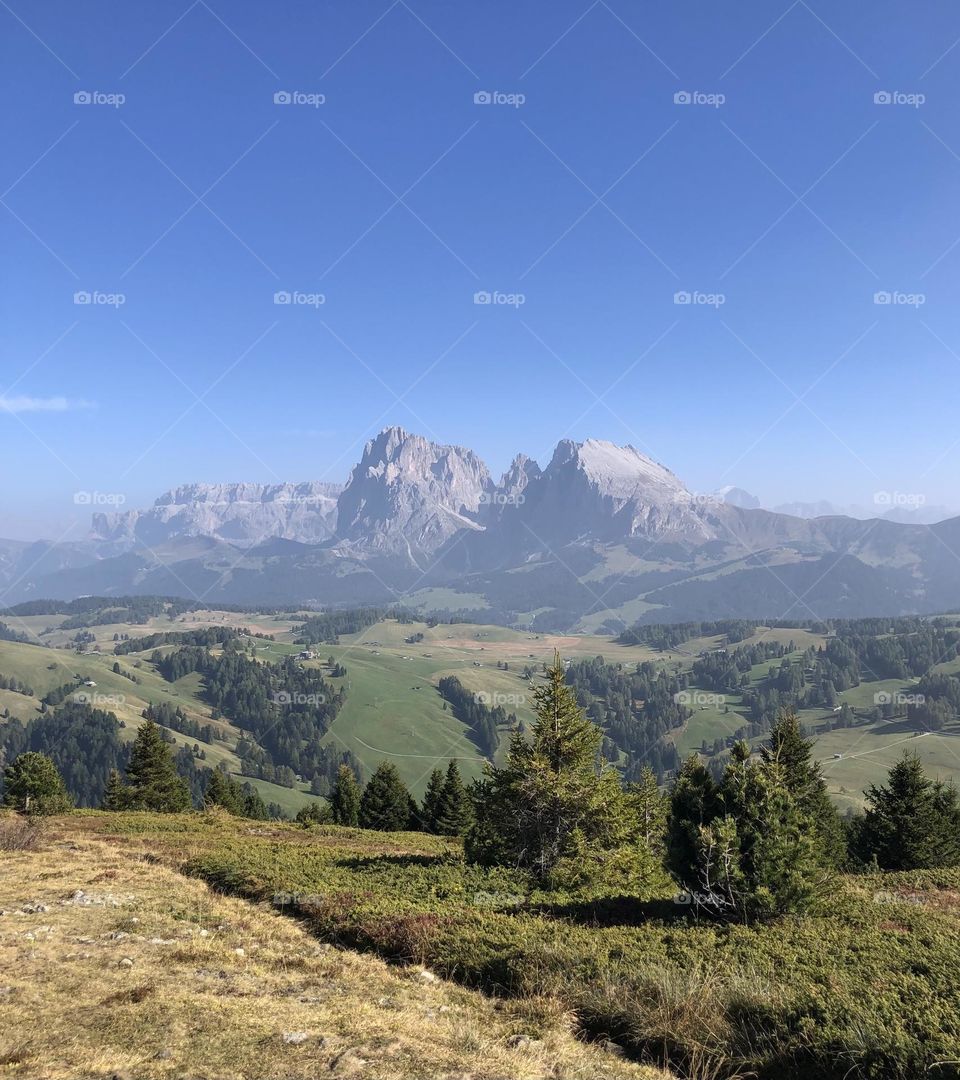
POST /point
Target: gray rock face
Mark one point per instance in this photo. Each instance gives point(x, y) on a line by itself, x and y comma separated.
point(409, 496)
point(598, 490)
point(244, 514)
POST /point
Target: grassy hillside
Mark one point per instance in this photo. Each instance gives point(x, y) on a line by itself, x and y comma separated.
point(116, 966)
point(865, 988)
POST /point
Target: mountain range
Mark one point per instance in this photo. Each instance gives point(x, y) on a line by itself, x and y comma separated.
point(600, 538)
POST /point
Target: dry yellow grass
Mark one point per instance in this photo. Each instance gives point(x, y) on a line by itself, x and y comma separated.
point(112, 965)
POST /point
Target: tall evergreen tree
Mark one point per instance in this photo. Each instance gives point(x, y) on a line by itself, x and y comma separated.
point(152, 776)
point(804, 780)
point(651, 807)
point(912, 822)
point(32, 785)
point(385, 803)
point(555, 807)
point(454, 810)
point(345, 798)
point(694, 803)
point(222, 791)
point(116, 795)
point(430, 810)
point(758, 858)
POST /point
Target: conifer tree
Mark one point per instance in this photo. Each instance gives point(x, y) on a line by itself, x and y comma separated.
point(32, 785)
point(253, 805)
point(454, 810)
point(694, 803)
point(386, 802)
point(912, 822)
point(116, 795)
point(804, 780)
point(757, 857)
point(345, 798)
point(224, 792)
point(152, 775)
point(651, 807)
point(555, 808)
point(430, 810)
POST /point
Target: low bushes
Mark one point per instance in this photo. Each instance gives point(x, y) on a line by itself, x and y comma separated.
point(867, 989)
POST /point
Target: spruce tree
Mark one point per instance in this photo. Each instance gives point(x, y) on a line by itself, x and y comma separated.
point(804, 780)
point(911, 822)
point(758, 857)
point(345, 798)
point(694, 803)
point(253, 805)
point(651, 807)
point(385, 803)
point(224, 792)
point(152, 775)
point(116, 795)
point(32, 785)
point(454, 811)
point(430, 811)
point(555, 808)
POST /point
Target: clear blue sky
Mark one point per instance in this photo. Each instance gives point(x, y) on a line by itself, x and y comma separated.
point(797, 199)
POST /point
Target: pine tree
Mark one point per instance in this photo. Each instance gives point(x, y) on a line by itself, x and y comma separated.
point(32, 785)
point(116, 796)
point(555, 808)
point(794, 754)
point(224, 792)
point(454, 810)
point(694, 803)
point(316, 813)
point(345, 798)
point(912, 822)
point(154, 782)
point(253, 805)
point(759, 856)
point(430, 811)
point(651, 807)
point(385, 803)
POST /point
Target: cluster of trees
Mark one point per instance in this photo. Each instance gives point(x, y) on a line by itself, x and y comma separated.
point(284, 709)
point(483, 720)
point(635, 709)
point(668, 636)
point(11, 682)
point(176, 719)
point(205, 637)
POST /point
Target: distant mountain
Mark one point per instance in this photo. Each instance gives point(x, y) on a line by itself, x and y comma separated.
point(736, 496)
point(600, 537)
point(407, 496)
point(241, 513)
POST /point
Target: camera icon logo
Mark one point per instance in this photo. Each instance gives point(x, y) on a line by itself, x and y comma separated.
point(682, 97)
point(482, 97)
point(282, 97)
point(82, 97)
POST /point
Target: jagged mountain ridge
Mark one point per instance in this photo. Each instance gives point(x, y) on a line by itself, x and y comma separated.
point(601, 535)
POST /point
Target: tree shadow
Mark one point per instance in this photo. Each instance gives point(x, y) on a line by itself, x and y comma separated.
point(613, 911)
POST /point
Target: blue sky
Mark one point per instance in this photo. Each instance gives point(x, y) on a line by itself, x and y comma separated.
point(783, 189)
